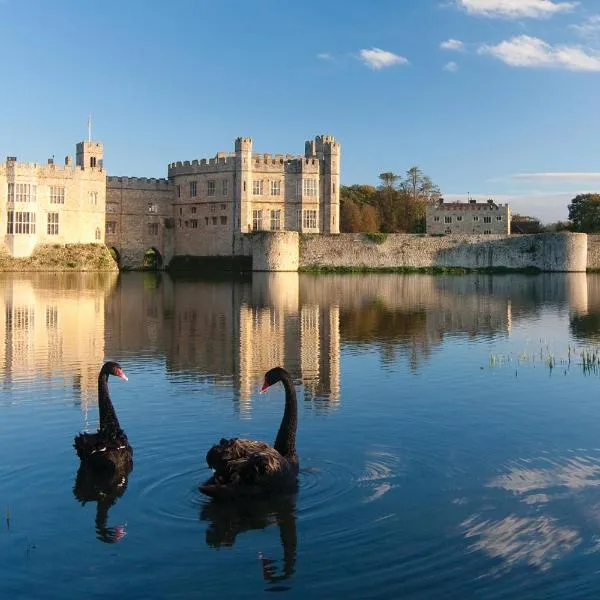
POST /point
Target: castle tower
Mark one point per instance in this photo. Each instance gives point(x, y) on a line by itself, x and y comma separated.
point(243, 183)
point(89, 155)
point(327, 150)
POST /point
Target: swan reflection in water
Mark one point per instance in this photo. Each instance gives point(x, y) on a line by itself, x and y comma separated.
point(227, 520)
point(104, 488)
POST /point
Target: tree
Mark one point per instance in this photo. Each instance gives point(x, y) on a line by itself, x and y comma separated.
point(584, 213)
point(419, 187)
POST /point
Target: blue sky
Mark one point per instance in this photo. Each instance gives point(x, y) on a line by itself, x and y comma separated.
point(497, 98)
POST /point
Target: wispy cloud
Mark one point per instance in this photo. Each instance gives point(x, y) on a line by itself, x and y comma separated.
point(590, 28)
point(556, 177)
point(452, 44)
point(325, 56)
point(526, 51)
point(377, 59)
point(451, 67)
point(515, 9)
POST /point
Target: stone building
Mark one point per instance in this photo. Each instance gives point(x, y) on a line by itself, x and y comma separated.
point(204, 206)
point(468, 217)
point(52, 204)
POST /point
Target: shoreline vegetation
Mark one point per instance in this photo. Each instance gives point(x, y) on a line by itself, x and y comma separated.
point(68, 257)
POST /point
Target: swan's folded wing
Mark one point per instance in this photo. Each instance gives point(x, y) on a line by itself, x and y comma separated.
point(234, 449)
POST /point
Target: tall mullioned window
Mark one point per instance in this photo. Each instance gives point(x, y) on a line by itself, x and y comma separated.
point(257, 220)
point(275, 220)
point(20, 222)
point(111, 227)
point(52, 228)
point(309, 219)
point(21, 192)
point(275, 188)
point(309, 187)
point(93, 198)
point(225, 187)
point(193, 189)
point(57, 194)
point(257, 187)
point(211, 187)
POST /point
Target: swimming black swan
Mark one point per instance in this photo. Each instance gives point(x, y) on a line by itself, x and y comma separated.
point(108, 449)
point(105, 488)
point(246, 468)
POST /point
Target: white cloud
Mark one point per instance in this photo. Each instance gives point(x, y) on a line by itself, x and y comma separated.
point(515, 9)
point(378, 59)
point(451, 67)
point(452, 44)
point(553, 177)
point(325, 56)
point(526, 51)
point(590, 28)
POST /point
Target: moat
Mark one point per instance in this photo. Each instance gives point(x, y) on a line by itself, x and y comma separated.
point(448, 434)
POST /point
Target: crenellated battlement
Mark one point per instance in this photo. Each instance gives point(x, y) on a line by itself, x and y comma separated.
point(139, 183)
point(41, 170)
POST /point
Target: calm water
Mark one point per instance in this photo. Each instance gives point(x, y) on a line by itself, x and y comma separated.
point(449, 436)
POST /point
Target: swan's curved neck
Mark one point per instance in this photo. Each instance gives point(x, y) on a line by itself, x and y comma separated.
point(285, 443)
point(108, 416)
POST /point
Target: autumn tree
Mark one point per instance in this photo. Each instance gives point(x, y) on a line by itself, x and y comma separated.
point(584, 213)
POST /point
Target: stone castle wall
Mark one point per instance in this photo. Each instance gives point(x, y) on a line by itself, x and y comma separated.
point(546, 252)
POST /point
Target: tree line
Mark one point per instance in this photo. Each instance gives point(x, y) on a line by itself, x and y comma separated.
point(397, 205)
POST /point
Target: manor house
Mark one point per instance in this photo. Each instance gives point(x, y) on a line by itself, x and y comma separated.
point(200, 209)
point(468, 217)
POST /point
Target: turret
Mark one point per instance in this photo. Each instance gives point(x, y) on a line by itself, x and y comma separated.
point(243, 184)
point(89, 155)
point(328, 152)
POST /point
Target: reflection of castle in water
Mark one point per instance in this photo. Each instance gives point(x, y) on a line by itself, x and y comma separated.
point(52, 325)
point(230, 332)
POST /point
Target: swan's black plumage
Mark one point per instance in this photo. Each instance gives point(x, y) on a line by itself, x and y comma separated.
point(108, 449)
point(247, 468)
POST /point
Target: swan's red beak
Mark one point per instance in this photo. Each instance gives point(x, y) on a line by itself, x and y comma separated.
point(264, 387)
point(119, 373)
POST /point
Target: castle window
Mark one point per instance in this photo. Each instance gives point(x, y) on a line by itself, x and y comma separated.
point(206, 220)
point(214, 220)
point(111, 208)
point(475, 219)
point(57, 194)
point(194, 223)
point(20, 222)
point(275, 220)
point(487, 219)
point(499, 218)
point(487, 231)
point(224, 220)
point(226, 187)
point(152, 228)
point(178, 191)
point(447, 219)
point(257, 187)
point(111, 227)
point(309, 187)
point(92, 161)
point(211, 187)
point(193, 189)
point(333, 188)
point(275, 188)
point(23, 192)
point(223, 206)
point(152, 208)
point(181, 210)
point(257, 220)
point(436, 219)
point(459, 218)
point(213, 208)
point(194, 210)
point(98, 234)
point(244, 186)
point(93, 198)
point(11, 192)
point(309, 219)
point(52, 223)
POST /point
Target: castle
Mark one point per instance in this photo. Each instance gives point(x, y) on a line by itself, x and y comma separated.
point(201, 209)
point(468, 217)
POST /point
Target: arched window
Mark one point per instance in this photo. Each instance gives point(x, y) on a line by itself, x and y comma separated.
point(98, 233)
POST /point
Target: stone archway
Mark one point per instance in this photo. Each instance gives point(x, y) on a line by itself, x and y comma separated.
point(153, 260)
point(115, 254)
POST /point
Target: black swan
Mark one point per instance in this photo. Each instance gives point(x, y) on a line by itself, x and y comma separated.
point(226, 520)
point(104, 488)
point(246, 468)
point(108, 449)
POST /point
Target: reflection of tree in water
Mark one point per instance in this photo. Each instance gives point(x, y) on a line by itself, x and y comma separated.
point(227, 520)
point(392, 331)
point(585, 327)
point(104, 489)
